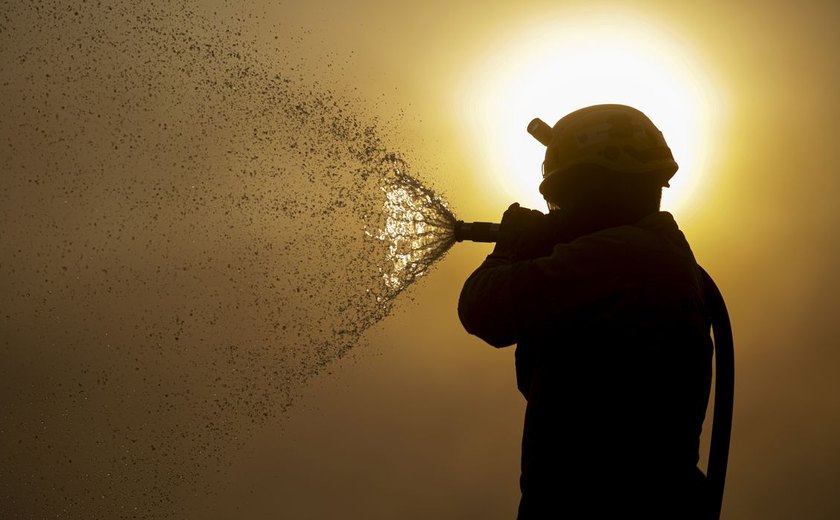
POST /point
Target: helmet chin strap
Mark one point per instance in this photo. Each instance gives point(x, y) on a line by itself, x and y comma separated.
point(543, 133)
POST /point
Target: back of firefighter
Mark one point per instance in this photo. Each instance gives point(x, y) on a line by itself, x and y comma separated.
point(604, 300)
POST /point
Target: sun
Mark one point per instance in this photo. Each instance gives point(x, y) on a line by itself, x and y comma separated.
point(557, 66)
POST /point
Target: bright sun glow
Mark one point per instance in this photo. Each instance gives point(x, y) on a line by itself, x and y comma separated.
point(558, 66)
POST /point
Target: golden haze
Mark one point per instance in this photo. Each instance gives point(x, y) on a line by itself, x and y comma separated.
point(422, 421)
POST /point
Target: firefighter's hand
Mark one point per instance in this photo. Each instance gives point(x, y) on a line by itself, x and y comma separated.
point(522, 234)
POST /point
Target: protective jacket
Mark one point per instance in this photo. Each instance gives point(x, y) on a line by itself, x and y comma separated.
point(614, 358)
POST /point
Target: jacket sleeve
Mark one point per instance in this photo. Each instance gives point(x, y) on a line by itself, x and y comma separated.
point(488, 306)
point(505, 301)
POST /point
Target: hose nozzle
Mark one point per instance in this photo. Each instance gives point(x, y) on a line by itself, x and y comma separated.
point(476, 231)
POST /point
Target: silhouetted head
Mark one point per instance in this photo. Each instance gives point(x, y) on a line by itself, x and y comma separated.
point(604, 160)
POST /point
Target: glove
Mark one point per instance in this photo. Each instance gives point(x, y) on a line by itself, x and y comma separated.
point(523, 234)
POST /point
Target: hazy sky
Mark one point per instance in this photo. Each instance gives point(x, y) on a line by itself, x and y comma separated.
point(420, 420)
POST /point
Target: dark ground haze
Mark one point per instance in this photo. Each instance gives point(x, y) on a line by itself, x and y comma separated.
point(188, 236)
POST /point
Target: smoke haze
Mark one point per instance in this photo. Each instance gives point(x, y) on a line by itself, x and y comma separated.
point(168, 185)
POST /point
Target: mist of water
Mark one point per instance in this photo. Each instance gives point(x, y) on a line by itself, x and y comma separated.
point(190, 233)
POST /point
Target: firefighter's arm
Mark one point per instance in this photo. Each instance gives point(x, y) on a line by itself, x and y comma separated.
point(505, 300)
point(492, 305)
point(488, 303)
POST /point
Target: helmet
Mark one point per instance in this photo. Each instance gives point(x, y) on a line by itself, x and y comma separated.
point(615, 138)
